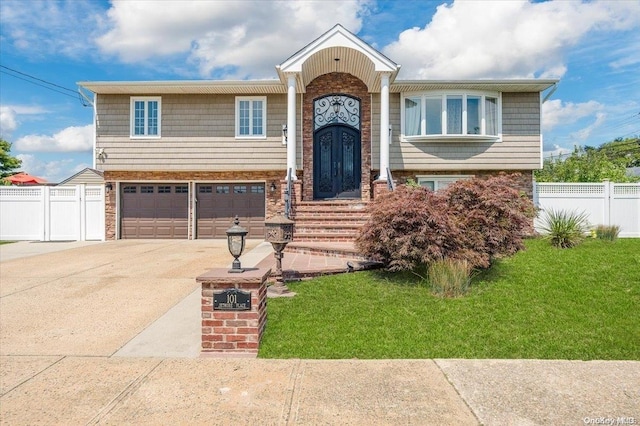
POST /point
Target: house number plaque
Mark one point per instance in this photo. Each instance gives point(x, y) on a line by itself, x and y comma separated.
point(232, 300)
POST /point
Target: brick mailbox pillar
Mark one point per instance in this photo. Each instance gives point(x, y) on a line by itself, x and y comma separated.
point(234, 311)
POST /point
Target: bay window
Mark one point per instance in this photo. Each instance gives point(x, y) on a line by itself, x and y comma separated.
point(451, 115)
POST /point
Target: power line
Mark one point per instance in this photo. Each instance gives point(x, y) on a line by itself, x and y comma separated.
point(38, 79)
point(41, 85)
point(38, 82)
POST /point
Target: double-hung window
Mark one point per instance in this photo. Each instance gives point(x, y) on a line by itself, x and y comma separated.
point(145, 117)
point(451, 115)
point(251, 117)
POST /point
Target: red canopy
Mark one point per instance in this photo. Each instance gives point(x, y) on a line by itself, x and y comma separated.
point(24, 179)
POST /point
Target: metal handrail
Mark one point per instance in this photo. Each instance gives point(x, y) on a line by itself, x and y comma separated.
point(390, 184)
point(287, 195)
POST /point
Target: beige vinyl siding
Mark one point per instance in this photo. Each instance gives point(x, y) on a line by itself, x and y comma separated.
point(86, 177)
point(518, 150)
point(197, 133)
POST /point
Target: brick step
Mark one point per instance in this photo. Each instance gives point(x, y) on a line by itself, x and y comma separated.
point(331, 220)
point(341, 250)
point(325, 237)
point(331, 214)
point(330, 206)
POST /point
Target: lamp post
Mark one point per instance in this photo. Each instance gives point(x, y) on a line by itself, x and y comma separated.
point(279, 232)
point(235, 240)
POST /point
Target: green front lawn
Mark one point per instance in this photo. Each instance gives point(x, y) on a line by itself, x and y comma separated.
point(547, 303)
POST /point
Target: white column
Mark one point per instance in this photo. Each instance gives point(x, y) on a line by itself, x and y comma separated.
point(291, 126)
point(384, 125)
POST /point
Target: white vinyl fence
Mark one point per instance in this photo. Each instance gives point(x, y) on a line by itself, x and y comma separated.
point(605, 203)
point(52, 213)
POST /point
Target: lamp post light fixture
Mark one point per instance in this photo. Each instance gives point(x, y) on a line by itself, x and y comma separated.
point(235, 239)
point(279, 232)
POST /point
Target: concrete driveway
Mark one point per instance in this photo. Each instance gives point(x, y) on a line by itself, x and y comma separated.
point(91, 300)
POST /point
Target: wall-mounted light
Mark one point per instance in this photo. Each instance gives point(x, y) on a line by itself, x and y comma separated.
point(101, 154)
point(108, 187)
point(284, 134)
point(273, 186)
point(390, 133)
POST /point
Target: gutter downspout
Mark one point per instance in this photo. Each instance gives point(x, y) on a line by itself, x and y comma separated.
point(551, 92)
point(545, 99)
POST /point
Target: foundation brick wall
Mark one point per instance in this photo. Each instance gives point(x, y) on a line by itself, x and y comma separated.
point(524, 182)
point(233, 332)
point(347, 84)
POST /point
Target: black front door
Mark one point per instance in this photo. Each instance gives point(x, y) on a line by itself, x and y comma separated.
point(336, 162)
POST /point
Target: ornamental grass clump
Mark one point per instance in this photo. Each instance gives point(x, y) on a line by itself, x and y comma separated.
point(564, 229)
point(449, 277)
point(607, 233)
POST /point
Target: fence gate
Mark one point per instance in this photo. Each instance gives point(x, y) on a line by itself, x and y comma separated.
point(44, 213)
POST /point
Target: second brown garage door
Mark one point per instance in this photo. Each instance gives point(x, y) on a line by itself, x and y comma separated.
point(154, 210)
point(218, 204)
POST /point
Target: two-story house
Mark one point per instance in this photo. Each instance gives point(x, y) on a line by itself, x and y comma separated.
point(182, 158)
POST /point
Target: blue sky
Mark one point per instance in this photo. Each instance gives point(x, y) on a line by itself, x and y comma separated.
point(592, 47)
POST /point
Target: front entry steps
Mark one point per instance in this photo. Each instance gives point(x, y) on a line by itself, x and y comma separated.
point(323, 240)
point(336, 221)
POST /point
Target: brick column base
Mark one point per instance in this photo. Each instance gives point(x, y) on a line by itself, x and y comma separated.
point(233, 332)
point(379, 188)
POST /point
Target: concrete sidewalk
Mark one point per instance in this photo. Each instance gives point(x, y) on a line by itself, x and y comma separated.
point(106, 334)
point(102, 390)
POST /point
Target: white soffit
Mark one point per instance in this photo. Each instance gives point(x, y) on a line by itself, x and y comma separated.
point(356, 57)
point(211, 87)
point(520, 85)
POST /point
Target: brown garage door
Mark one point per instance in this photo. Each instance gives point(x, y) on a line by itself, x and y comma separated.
point(154, 210)
point(218, 204)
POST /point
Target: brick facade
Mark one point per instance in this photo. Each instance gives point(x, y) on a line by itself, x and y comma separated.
point(524, 182)
point(346, 84)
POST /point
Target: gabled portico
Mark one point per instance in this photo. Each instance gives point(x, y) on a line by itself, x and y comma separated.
point(336, 75)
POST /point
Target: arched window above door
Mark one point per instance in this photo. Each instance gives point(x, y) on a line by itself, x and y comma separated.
point(336, 109)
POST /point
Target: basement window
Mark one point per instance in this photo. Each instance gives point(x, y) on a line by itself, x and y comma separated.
point(438, 182)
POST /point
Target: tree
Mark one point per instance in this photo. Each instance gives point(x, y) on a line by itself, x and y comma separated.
point(588, 165)
point(473, 220)
point(623, 151)
point(7, 162)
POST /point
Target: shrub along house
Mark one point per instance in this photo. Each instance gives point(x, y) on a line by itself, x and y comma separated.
point(182, 158)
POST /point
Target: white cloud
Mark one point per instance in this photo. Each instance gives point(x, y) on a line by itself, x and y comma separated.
point(42, 27)
point(504, 39)
point(51, 171)
point(226, 39)
point(584, 134)
point(8, 120)
point(556, 113)
point(9, 116)
point(71, 139)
